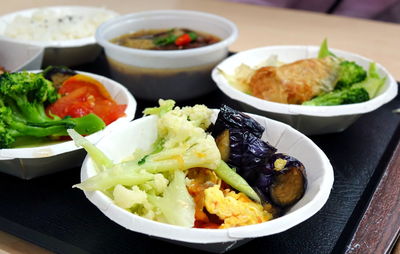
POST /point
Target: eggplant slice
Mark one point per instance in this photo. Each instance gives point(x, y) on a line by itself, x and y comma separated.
point(229, 118)
point(58, 74)
point(289, 181)
point(279, 179)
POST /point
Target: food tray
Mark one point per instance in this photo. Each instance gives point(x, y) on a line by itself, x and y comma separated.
point(48, 212)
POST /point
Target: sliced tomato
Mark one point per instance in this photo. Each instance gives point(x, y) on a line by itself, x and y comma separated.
point(96, 88)
point(81, 95)
point(108, 110)
point(62, 106)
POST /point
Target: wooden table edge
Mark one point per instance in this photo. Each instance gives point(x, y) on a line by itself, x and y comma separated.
point(379, 227)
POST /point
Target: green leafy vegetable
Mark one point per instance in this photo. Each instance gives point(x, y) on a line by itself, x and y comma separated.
point(373, 83)
point(356, 93)
point(349, 72)
point(165, 40)
point(235, 180)
point(324, 50)
point(339, 97)
point(23, 97)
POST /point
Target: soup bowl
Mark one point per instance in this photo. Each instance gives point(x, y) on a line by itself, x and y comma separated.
point(174, 74)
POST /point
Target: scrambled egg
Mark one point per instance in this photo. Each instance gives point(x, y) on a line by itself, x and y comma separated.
point(235, 209)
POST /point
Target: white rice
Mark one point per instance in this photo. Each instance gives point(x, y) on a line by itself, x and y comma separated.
point(49, 24)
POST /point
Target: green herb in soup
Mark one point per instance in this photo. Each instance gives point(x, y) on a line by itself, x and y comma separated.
point(166, 39)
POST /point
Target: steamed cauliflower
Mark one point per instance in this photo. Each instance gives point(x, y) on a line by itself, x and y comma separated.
point(134, 200)
point(185, 142)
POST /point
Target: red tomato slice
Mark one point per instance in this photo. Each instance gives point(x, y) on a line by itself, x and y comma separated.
point(81, 95)
point(81, 80)
point(62, 106)
point(108, 111)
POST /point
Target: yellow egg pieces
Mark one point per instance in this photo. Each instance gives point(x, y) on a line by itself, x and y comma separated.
point(235, 209)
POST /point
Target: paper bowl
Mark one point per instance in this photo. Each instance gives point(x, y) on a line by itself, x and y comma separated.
point(19, 56)
point(32, 162)
point(309, 120)
point(172, 74)
point(68, 52)
point(142, 133)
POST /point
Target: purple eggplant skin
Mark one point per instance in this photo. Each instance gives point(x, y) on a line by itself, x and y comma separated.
point(244, 151)
point(238, 138)
point(229, 118)
point(279, 179)
point(253, 155)
point(289, 180)
point(58, 74)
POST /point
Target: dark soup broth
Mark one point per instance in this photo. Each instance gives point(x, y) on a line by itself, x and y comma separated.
point(166, 39)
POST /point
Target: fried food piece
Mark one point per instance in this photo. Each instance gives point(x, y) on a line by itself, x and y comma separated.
point(296, 82)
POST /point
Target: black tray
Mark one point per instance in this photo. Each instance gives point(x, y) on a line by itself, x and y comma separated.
point(48, 212)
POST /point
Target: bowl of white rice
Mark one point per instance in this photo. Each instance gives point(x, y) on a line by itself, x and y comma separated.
point(65, 32)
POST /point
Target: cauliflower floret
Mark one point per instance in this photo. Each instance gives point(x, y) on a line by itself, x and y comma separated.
point(155, 186)
point(199, 115)
point(235, 209)
point(136, 200)
point(126, 198)
point(188, 145)
point(185, 144)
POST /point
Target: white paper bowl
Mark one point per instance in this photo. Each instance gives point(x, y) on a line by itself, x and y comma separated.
point(32, 162)
point(66, 52)
point(309, 120)
point(172, 74)
point(142, 133)
point(15, 56)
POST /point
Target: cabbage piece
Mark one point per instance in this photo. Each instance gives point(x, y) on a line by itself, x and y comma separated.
point(176, 205)
point(100, 159)
point(114, 176)
point(240, 79)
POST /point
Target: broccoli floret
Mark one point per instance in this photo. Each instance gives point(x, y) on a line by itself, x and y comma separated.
point(338, 97)
point(23, 97)
point(27, 93)
point(11, 127)
point(349, 73)
point(356, 93)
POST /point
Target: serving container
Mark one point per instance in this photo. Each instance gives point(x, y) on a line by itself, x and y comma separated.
point(173, 74)
point(70, 52)
point(142, 133)
point(31, 162)
point(310, 120)
point(15, 56)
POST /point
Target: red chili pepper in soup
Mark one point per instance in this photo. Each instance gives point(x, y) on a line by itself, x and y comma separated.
point(185, 39)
